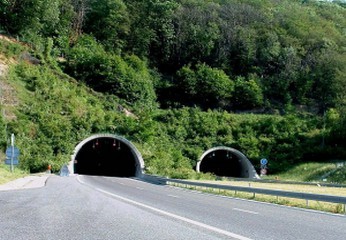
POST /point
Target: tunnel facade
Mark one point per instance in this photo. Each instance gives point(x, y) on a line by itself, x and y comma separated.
point(227, 162)
point(107, 155)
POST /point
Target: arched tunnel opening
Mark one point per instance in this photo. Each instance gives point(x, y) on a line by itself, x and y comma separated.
point(226, 162)
point(107, 155)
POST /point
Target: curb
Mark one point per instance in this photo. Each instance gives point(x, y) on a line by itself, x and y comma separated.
point(32, 181)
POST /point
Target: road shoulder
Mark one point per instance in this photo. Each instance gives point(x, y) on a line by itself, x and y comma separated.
point(32, 181)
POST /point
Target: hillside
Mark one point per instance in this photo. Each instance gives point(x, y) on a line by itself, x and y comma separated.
point(170, 76)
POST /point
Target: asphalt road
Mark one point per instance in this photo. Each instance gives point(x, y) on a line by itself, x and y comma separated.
point(86, 207)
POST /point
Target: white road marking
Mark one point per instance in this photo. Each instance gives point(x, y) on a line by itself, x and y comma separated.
point(80, 180)
point(199, 224)
point(245, 211)
point(140, 188)
point(173, 196)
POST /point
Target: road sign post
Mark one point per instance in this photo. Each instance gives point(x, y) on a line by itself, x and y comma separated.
point(264, 167)
point(264, 161)
point(12, 154)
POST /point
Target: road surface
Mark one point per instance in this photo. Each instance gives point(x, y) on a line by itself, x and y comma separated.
point(88, 207)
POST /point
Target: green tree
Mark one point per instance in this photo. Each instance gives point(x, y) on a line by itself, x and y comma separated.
point(205, 86)
point(128, 78)
point(247, 93)
point(108, 21)
point(32, 18)
point(196, 33)
point(151, 28)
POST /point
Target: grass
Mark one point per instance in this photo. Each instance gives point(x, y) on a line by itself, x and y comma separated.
point(339, 175)
point(293, 202)
point(307, 172)
point(316, 189)
point(6, 175)
point(312, 172)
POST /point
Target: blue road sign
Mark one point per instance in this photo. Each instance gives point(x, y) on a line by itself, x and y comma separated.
point(15, 161)
point(64, 172)
point(264, 161)
point(9, 152)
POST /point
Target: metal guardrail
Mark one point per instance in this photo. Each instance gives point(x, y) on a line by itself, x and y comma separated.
point(277, 193)
point(322, 184)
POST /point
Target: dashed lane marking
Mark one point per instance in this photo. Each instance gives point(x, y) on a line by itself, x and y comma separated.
point(173, 196)
point(245, 211)
point(172, 215)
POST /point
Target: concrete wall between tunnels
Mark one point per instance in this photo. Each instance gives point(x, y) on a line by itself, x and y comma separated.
point(106, 155)
point(227, 162)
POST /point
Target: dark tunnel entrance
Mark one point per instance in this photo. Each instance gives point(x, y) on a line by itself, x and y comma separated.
point(226, 162)
point(222, 163)
point(107, 155)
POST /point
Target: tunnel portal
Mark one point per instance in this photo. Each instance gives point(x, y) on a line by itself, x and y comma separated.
point(107, 155)
point(227, 162)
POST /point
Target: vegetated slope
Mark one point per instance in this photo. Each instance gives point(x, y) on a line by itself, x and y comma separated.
point(55, 112)
point(278, 57)
point(231, 54)
point(338, 176)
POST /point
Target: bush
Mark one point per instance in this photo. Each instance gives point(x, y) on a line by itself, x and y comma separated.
point(55, 115)
point(205, 86)
point(10, 49)
point(128, 78)
point(247, 94)
point(3, 137)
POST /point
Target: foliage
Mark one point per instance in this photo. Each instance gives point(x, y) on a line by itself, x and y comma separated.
point(128, 77)
point(3, 134)
point(52, 119)
point(248, 93)
point(205, 86)
point(282, 140)
point(6, 175)
point(47, 18)
point(313, 172)
point(215, 57)
point(296, 49)
point(339, 176)
point(114, 15)
point(9, 49)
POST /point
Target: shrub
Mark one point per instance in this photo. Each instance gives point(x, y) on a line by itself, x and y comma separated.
point(205, 86)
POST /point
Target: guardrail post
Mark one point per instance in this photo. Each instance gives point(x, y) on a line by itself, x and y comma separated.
point(341, 200)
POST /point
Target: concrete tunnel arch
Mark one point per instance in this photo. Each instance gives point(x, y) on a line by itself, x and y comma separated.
point(106, 155)
point(227, 162)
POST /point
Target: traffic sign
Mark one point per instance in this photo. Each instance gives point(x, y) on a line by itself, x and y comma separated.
point(14, 161)
point(264, 161)
point(12, 152)
point(64, 172)
point(263, 172)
